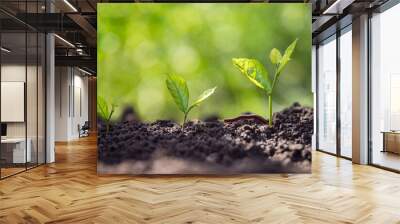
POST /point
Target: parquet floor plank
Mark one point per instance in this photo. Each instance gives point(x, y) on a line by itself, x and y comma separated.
point(70, 191)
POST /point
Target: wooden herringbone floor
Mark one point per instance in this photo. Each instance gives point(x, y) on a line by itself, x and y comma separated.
point(69, 191)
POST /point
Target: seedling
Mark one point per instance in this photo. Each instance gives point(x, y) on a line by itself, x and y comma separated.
point(259, 76)
point(180, 93)
point(105, 112)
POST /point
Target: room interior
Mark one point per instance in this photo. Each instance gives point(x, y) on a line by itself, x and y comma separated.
point(48, 92)
point(385, 88)
point(335, 90)
point(22, 102)
point(72, 106)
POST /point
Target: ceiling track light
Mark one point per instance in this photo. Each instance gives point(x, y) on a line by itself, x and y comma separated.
point(64, 40)
point(334, 8)
point(84, 71)
point(5, 50)
point(70, 5)
point(329, 9)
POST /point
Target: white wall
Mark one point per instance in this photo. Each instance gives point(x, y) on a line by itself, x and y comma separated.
point(33, 127)
point(12, 73)
point(80, 110)
point(71, 102)
point(62, 81)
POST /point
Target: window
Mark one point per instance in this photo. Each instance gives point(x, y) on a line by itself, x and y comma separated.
point(327, 95)
point(346, 92)
point(385, 89)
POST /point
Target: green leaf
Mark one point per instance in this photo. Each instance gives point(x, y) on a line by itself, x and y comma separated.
point(207, 93)
point(286, 57)
point(102, 107)
point(179, 91)
point(254, 71)
point(275, 56)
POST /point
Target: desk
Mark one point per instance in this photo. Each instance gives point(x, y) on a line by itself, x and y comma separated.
point(15, 148)
point(391, 141)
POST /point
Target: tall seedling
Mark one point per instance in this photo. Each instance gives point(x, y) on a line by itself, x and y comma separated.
point(180, 93)
point(105, 112)
point(259, 76)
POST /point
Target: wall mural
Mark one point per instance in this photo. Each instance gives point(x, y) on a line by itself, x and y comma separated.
point(204, 88)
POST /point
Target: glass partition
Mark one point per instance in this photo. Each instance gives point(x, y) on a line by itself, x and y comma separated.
point(327, 95)
point(23, 91)
point(14, 145)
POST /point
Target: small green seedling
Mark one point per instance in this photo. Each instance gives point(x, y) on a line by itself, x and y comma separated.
point(259, 76)
point(105, 112)
point(180, 93)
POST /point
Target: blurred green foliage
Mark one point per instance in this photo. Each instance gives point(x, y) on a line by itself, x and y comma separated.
point(138, 44)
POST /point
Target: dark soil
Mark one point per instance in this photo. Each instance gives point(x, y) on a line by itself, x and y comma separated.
point(241, 145)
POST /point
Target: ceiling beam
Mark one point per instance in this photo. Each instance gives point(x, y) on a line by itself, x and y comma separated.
point(320, 22)
point(49, 22)
point(81, 61)
point(86, 27)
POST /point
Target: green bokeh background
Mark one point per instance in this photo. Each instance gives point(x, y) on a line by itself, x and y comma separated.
point(138, 44)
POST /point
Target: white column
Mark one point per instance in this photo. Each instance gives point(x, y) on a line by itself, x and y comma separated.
point(50, 92)
point(314, 91)
point(50, 99)
point(360, 90)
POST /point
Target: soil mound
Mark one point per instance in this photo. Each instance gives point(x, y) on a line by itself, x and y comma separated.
point(243, 145)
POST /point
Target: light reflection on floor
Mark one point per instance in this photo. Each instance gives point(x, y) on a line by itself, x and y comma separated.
point(386, 159)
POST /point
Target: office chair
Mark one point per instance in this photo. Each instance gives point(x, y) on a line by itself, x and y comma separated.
point(84, 130)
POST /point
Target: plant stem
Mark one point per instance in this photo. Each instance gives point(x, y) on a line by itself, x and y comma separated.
point(270, 94)
point(270, 109)
point(184, 120)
